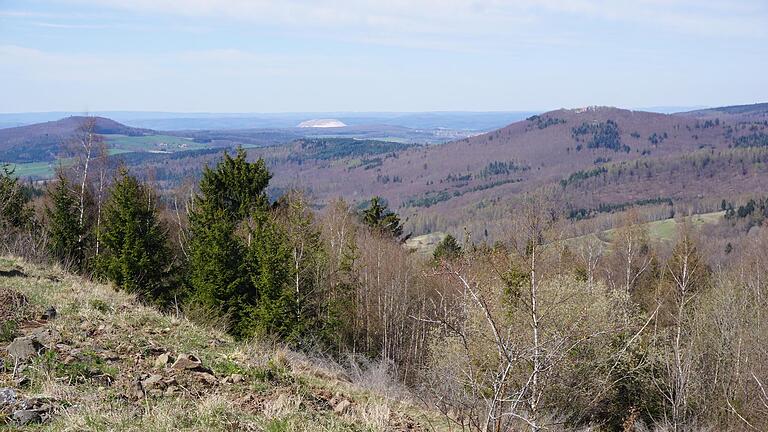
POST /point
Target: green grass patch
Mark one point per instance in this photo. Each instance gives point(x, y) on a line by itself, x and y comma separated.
point(658, 231)
point(152, 143)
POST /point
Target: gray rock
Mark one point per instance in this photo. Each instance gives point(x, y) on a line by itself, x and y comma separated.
point(24, 348)
point(136, 391)
point(7, 396)
point(26, 417)
point(49, 314)
point(46, 336)
point(206, 378)
point(237, 378)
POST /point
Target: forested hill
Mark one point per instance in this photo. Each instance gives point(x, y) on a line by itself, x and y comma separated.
point(758, 111)
point(598, 156)
point(45, 141)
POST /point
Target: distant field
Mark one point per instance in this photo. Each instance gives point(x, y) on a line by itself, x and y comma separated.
point(425, 244)
point(34, 169)
point(46, 169)
point(659, 231)
point(118, 144)
point(152, 143)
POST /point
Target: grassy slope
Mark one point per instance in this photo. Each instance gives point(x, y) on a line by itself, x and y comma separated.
point(659, 231)
point(425, 244)
point(282, 390)
point(47, 169)
point(151, 142)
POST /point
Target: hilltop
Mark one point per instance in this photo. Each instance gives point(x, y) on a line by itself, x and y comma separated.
point(99, 360)
point(45, 141)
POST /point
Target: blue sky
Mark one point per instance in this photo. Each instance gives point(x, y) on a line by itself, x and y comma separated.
point(379, 55)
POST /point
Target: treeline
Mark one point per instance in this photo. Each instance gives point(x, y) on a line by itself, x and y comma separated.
point(337, 148)
point(226, 254)
point(586, 213)
point(752, 213)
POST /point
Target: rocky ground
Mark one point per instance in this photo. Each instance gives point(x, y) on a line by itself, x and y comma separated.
point(80, 356)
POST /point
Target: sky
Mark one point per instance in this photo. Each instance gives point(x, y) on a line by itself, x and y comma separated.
point(379, 55)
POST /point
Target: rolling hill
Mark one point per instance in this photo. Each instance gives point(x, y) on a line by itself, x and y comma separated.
point(45, 141)
point(597, 159)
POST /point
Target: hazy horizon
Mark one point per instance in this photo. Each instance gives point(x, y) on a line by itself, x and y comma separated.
point(658, 109)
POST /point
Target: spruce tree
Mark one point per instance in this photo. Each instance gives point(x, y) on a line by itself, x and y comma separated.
point(14, 212)
point(66, 235)
point(219, 276)
point(136, 255)
point(236, 186)
point(381, 219)
point(447, 249)
point(272, 307)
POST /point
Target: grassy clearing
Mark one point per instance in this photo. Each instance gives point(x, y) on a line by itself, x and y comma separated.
point(152, 142)
point(425, 244)
point(47, 169)
point(663, 231)
point(104, 342)
point(35, 169)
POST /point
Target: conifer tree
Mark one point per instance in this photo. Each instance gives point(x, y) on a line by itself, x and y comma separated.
point(380, 218)
point(272, 306)
point(13, 202)
point(64, 230)
point(136, 255)
point(218, 272)
point(447, 249)
point(236, 186)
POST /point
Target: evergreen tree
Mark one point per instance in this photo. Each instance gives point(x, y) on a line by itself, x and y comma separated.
point(136, 255)
point(217, 273)
point(219, 276)
point(66, 236)
point(380, 218)
point(272, 307)
point(14, 212)
point(236, 186)
point(447, 249)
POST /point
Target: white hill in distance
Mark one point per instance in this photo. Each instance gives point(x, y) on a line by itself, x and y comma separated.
point(322, 123)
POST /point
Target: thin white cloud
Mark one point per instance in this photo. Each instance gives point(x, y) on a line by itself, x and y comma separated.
point(70, 26)
point(718, 17)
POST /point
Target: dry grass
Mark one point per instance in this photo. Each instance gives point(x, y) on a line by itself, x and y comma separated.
point(117, 340)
